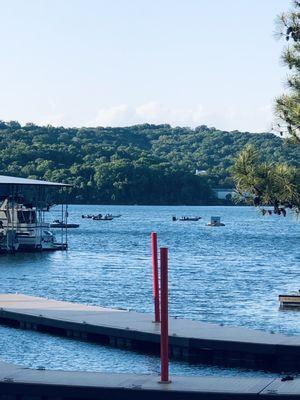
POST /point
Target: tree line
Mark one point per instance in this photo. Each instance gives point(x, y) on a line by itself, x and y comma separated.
point(140, 164)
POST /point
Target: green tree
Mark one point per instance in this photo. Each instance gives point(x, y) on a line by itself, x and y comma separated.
point(288, 105)
point(270, 184)
point(277, 184)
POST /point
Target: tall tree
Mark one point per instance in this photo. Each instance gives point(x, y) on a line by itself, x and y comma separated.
point(288, 105)
point(271, 184)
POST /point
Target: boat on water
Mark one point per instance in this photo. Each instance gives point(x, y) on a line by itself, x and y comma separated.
point(189, 218)
point(23, 207)
point(101, 217)
point(215, 221)
point(21, 229)
point(32, 239)
point(290, 301)
point(60, 224)
point(185, 218)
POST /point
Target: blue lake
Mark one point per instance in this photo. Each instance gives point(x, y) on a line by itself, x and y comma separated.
point(230, 275)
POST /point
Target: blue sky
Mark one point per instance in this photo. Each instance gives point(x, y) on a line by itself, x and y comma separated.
point(121, 62)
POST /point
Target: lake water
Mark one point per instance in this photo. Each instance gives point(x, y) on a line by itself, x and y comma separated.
point(230, 275)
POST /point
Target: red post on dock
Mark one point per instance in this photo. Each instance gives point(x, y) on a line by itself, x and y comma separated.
point(155, 276)
point(164, 329)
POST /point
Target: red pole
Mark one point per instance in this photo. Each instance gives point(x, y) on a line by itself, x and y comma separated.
point(155, 276)
point(164, 330)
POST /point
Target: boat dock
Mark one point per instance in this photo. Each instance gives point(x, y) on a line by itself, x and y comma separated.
point(289, 301)
point(188, 340)
point(18, 383)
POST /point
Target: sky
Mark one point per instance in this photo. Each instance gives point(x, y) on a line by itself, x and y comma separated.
point(124, 62)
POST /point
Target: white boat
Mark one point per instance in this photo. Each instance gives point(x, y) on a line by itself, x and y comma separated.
point(23, 207)
point(36, 239)
point(22, 229)
point(215, 221)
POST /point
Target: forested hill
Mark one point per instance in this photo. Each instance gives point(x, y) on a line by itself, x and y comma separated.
point(141, 164)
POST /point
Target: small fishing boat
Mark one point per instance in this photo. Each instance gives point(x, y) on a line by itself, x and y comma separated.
point(101, 217)
point(189, 218)
point(215, 221)
point(60, 224)
point(186, 218)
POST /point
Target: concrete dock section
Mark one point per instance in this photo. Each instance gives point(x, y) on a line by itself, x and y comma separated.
point(190, 340)
point(17, 383)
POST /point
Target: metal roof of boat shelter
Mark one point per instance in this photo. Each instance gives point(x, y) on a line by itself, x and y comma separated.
point(12, 180)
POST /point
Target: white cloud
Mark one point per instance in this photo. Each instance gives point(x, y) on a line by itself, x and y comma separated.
point(115, 116)
point(54, 119)
point(230, 118)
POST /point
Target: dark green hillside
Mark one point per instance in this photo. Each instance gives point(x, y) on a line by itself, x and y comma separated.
point(143, 164)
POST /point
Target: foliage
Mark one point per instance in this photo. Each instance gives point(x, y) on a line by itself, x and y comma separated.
point(270, 183)
point(267, 184)
point(141, 164)
point(288, 105)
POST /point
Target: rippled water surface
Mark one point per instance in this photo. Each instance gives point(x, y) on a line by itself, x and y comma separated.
point(229, 275)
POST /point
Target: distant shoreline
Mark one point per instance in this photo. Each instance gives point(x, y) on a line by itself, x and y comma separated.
point(159, 205)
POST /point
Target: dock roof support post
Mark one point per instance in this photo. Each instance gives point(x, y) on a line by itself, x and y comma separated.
point(155, 277)
point(164, 329)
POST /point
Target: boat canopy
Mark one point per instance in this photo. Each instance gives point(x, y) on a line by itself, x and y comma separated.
point(12, 180)
point(41, 194)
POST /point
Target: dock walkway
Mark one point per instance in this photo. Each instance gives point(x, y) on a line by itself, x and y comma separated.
point(190, 340)
point(18, 383)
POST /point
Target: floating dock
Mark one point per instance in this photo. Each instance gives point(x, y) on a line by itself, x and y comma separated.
point(289, 301)
point(188, 340)
point(17, 383)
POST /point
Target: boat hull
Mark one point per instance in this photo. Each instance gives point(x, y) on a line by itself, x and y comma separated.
point(63, 226)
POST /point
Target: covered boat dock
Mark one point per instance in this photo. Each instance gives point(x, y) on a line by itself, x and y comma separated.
point(24, 203)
